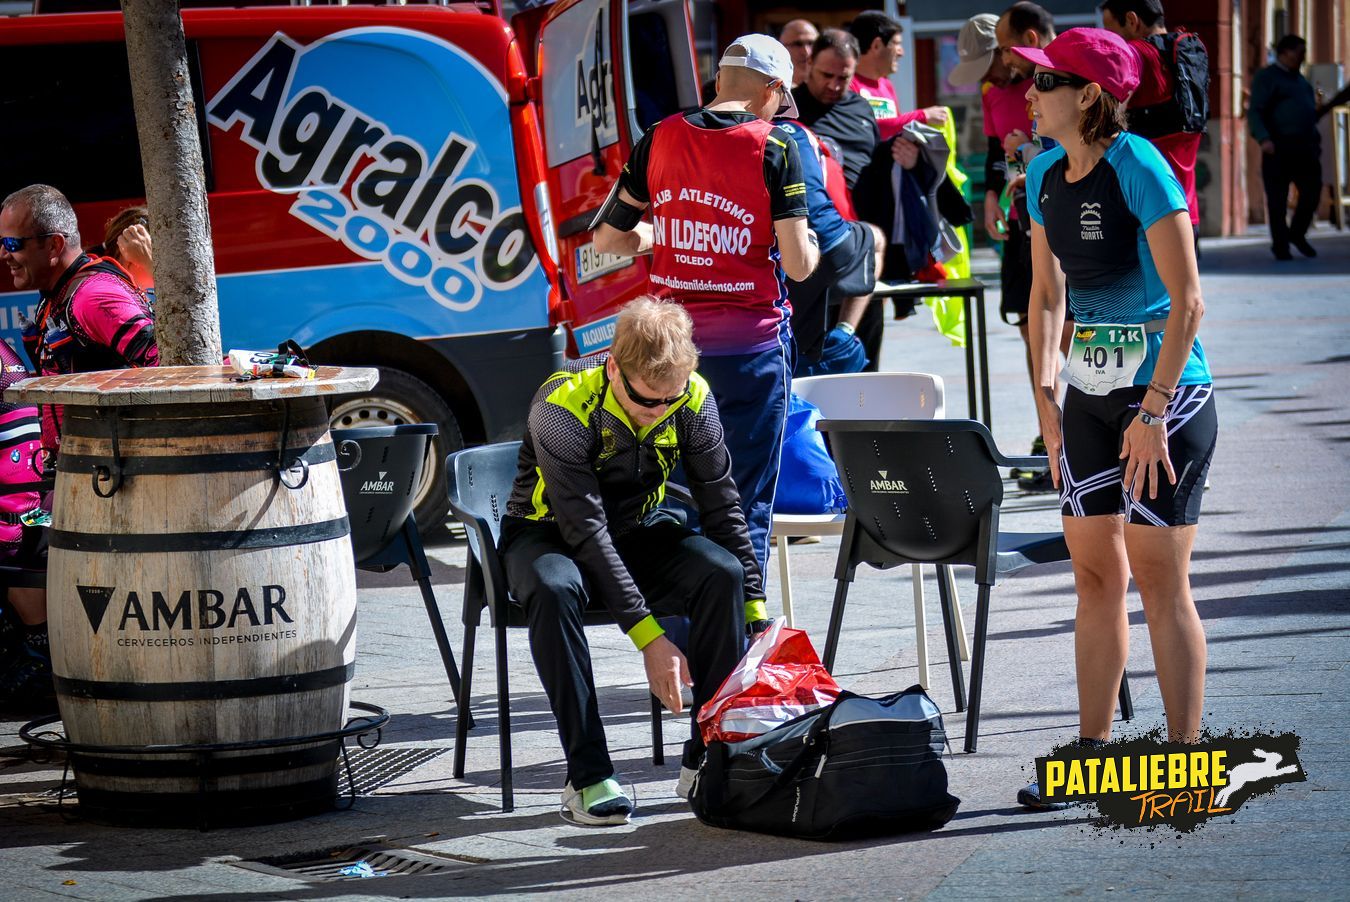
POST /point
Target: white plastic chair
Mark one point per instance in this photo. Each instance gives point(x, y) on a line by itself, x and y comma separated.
point(868, 396)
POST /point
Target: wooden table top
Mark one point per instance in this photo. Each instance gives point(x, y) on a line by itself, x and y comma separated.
point(183, 385)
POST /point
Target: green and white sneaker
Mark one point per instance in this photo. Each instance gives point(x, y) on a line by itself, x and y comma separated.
point(602, 804)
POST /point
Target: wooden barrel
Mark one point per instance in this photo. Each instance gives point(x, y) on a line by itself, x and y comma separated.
point(209, 598)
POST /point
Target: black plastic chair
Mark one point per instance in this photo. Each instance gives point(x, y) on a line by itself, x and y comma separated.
point(929, 492)
point(381, 468)
point(480, 484)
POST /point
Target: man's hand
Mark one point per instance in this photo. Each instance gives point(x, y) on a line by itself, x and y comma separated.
point(935, 115)
point(667, 671)
point(1013, 140)
point(905, 152)
point(995, 225)
point(1268, 147)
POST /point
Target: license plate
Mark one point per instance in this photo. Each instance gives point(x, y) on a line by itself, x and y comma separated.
point(591, 264)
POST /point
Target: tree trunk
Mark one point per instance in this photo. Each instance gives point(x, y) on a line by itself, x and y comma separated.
point(187, 320)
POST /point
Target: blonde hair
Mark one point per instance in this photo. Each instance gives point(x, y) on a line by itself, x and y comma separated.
point(654, 340)
point(114, 228)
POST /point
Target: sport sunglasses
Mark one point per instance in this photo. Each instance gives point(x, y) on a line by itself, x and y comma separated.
point(642, 401)
point(1046, 82)
point(14, 245)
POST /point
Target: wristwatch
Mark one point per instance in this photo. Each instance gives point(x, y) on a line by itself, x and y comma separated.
point(1149, 419)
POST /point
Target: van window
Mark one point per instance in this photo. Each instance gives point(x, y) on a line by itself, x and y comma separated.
point(654, 87)
point(73, 123)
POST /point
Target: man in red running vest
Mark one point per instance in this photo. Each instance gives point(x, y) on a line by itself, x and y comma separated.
point(728, 206)
point(90, 315)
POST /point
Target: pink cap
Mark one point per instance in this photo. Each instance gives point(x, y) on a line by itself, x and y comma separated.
point(1093, 53)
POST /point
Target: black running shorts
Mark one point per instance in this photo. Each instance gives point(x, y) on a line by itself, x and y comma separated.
point(1091, 471)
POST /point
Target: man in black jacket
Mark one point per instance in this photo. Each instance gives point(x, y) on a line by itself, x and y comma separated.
point(584, 524)
point(834, 111)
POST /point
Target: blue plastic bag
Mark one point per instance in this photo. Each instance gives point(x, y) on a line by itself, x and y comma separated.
point(807, 480)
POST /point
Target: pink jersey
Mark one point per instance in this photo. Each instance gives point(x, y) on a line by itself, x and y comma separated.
point(880, 94)
point(20, 442)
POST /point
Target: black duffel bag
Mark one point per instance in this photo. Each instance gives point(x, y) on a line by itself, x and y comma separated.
point(860, 767)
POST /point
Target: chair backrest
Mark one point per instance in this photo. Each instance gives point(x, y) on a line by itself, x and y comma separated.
point(921, 490)
point(874, 396)
point(480, 484)
point(381, 468)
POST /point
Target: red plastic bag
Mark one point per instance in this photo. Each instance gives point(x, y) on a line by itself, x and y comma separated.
point(779, 678)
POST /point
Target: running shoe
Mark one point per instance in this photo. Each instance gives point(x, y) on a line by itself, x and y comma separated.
point(1038, 483)
point(26, 681)
point(1037, 450)
point(1029, 796)
point(601, 804)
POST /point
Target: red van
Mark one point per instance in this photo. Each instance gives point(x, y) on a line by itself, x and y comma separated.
point(407, 187)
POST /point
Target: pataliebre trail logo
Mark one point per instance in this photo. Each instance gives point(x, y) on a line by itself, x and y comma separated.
point(1146, 782)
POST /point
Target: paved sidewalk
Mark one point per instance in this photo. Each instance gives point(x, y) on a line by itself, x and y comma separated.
point(1271, 581)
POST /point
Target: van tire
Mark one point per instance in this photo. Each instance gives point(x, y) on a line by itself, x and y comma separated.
point(400, 398)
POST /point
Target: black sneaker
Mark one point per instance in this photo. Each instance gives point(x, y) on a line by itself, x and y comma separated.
point(1038, 483)
point(1281, 253)
point(1303, 246)
point(26, 682)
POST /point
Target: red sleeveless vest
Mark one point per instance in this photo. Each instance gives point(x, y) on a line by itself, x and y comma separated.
point(714, 247)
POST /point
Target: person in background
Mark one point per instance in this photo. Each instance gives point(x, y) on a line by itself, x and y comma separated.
point(1024, 24)
point(798, 36)
point(880, 51)
point(584, 523)
point(126, 239)
point(1153, 112)
point(25, 654)
point(90, 314)
point(1282, 117)
point(830, 108)
point(1007, 126)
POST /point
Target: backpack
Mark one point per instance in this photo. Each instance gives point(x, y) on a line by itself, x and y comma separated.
point(859, 767)
point(1187, 110)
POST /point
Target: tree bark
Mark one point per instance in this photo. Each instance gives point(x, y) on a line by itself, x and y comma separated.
point(187, 319)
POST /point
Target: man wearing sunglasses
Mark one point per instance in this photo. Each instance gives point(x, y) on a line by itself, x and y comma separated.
point(584, 525)
point(728, 228)
point(90, 313)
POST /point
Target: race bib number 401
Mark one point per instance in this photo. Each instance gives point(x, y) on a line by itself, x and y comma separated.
point(1105, 357)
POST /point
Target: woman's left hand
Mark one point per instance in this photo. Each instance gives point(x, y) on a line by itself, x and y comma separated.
point(1143, 449)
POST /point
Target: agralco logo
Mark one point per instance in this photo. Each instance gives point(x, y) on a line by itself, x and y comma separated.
point(382, 194)
point(885, 485)
point(154, 611)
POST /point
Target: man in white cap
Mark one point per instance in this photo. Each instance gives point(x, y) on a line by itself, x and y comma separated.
point(729, 226)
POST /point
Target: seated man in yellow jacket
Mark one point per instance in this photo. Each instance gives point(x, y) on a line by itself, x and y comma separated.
point(585, 524)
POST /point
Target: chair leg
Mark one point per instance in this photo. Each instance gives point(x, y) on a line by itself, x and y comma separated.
point(957, 618)
point(462, 718)
point(658, 737)
point(920, 626)
point(836, 619)
point(785, 578)
point(946, 602)
point(504, 717)
point(421, 571)
point(1126, 700)
point(977, 669)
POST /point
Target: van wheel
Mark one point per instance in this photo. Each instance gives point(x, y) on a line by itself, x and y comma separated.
point(396, 399)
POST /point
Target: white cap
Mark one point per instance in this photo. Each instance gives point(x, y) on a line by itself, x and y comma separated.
point(769, 57)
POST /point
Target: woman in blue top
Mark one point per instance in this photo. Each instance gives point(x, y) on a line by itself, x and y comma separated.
point(1130, 449)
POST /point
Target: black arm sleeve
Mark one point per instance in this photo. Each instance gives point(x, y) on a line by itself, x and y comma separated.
point(995, 167)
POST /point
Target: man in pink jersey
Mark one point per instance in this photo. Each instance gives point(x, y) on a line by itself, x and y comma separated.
point(880, 51)
point(90, 314)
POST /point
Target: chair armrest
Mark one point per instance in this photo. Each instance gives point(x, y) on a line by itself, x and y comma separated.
point(1030, 462)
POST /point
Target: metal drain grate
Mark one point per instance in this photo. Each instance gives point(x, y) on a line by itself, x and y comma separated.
point(371, 769)
point(327, 865)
